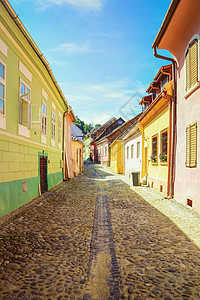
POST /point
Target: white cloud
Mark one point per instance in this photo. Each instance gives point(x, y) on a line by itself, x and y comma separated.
point(100, 102)
point(71, 48)
point(94, 5)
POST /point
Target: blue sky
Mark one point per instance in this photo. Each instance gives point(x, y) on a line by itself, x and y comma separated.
point(99, 50)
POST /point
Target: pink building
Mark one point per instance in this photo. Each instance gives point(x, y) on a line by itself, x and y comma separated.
point(180, 34)
point(68, 165)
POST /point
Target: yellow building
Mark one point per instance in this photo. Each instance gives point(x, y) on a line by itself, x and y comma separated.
point(155, 125)
point(117, 156)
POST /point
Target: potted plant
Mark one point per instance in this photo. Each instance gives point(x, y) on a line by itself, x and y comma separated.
point(163, 157)
point(153, 159)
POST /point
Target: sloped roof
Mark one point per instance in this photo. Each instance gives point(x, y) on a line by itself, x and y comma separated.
point(104, 126)
point(123, 133)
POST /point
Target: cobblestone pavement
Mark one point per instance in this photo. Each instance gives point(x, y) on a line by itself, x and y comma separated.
point(95, 238)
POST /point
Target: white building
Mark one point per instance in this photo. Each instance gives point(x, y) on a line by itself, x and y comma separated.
point(132, 151)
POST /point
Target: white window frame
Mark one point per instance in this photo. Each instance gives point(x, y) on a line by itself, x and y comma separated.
point(53, 128)
point(23, 129)
point(59, 132)
point(44, 116)
point(3, 82)
point(105, 150)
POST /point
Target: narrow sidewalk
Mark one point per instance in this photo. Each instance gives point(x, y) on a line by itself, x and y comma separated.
point(183, 217)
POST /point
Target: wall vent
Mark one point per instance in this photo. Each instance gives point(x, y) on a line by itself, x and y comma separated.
point(24, 186)
point(189, 202)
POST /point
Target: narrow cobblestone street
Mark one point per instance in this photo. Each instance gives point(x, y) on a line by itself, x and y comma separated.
point(95, 238)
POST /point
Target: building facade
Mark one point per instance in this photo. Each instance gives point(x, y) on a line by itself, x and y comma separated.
point(156, 128)
point(32, 109)
point(119, 161)
point(132, 151)
point(180, 34)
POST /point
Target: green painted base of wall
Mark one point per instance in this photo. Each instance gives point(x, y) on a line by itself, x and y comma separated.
point(54, 179)
point(13, 197)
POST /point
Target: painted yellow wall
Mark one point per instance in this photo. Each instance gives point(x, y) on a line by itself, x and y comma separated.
point(156, 173)
point(117, 157)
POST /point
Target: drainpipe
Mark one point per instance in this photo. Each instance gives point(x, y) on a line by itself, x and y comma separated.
point(64, 152)
point(173, 140)
point(170, 99)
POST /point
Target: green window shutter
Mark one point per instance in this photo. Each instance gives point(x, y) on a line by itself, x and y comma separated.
point(187, 146)
point(193, 145)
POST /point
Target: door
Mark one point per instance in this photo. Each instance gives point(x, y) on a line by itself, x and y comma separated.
point(146, 161)
point(43, 174)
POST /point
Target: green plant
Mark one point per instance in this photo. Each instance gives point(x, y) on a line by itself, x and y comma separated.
point(153, 159)
point(163, 157)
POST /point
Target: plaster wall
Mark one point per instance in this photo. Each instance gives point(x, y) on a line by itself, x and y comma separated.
point(132, 164)
point(156, 173)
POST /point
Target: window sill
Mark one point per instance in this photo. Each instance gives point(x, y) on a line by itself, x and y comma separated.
point(25, 131)
point(154, 164)
point(2, 121)
point(192, 89)
point(164, 164)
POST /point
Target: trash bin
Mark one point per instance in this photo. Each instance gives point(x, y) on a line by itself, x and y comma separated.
point(136, 178)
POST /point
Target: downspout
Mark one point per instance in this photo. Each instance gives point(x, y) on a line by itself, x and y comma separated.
point(173, 140)
point(64, 147)
point(170, 99)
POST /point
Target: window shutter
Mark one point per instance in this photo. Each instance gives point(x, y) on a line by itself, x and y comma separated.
point(35, 116)
point(187, 146)
point(193, 63)
point(187, 72)
point(193, 145)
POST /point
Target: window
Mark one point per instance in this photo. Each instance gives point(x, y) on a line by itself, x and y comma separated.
point(44, 118)
point(53, 125)
point(127, 152)
point(102, 151)
point(191, 145)
point(163, 146)
point(131, 151)
point(120, 122)
point(59, 131)
point(2, 88)
point(24, 104)
point(154, 149)
point(105, 150)
point(191, 59)
point(138, 149)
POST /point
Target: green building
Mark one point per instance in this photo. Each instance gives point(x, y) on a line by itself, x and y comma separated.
point(32, 109)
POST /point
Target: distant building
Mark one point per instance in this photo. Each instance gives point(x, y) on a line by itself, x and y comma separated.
point(132, 150)
point(77, 150)
point(117, 151)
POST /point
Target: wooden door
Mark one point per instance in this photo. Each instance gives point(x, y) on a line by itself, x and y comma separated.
point(43, 174)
